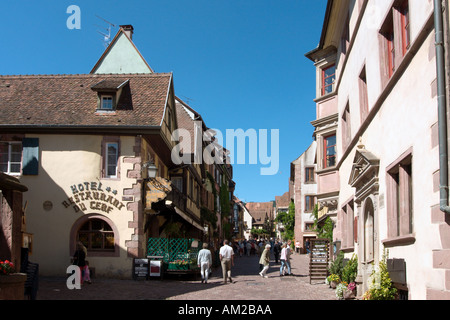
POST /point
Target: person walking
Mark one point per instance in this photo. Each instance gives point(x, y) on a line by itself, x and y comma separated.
point(241, 248)
point(204, 261)
point(276, 251)
point(226, 259)
point(297, 247)
point(288, 257)
point(285, 259)
point(265, 261)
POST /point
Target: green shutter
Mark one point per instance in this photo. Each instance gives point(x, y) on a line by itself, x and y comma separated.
point(30, 165)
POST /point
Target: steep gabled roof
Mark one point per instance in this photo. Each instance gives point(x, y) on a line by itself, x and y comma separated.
point(283, 201)
point(126, 59)
point(260, 209)
point(185, 122)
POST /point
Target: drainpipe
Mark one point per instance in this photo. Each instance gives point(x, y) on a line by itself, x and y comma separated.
point(442, 106)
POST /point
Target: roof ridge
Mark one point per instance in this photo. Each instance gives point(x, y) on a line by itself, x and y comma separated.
point(86, 75)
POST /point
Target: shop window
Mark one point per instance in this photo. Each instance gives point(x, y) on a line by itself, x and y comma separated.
point(96, 235)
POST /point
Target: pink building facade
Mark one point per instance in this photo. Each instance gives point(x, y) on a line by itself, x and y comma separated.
point(376, 129)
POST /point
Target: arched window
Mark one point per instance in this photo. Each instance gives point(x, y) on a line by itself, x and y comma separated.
point(96, 235)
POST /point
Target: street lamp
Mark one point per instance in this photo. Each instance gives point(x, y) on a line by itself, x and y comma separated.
point(152, 169)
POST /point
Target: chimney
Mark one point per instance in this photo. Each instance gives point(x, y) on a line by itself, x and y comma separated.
point(128, 29)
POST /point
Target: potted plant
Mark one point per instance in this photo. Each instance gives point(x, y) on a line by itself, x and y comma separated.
point(349, 274)
point(6, 267)
point(333, 280)
point(380, 286)
point(12, 284)
point(350, 292)
point(340, 290)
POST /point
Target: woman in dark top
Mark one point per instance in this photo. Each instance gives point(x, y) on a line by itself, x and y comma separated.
point(79, 258)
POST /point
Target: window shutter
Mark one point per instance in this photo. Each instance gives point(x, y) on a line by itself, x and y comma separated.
point(30, 165)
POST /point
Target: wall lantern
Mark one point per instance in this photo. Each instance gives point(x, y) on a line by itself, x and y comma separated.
point(152, 169)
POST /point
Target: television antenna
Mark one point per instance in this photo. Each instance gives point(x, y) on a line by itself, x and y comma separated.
point(107, 31)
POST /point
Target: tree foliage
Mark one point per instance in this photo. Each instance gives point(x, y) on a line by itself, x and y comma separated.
point(324, 230)
point(288, 221)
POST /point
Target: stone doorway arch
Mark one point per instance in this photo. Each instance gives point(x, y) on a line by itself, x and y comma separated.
point(364, 178)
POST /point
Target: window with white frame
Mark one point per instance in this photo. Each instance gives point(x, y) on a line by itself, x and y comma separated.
point(111, 158)
point(106, 102)
point(328, 79)
point(10, 157)
point(329, 151)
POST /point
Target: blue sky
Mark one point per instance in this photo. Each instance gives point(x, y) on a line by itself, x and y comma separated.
point(240, 63)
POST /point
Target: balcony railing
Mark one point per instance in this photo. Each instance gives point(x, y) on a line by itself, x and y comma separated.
point(178, 198)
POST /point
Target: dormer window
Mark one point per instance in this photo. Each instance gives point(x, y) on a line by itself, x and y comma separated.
point(106, 102)
point(109, 92)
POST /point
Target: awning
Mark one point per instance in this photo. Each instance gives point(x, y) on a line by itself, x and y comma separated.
point(188, 219)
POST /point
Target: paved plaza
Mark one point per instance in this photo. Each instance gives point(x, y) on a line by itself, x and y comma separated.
point(247, 285)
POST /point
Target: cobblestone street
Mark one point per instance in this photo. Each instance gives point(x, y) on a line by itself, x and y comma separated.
point(247, 285)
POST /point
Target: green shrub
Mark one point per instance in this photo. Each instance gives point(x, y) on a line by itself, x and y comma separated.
point(350, 270)
point(381, 287)
point(336, 266)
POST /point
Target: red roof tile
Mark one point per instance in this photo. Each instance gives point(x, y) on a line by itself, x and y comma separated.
point(69, 100)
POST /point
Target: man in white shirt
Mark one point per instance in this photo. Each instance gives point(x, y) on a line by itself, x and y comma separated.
point(226, 259)
point(204, 261)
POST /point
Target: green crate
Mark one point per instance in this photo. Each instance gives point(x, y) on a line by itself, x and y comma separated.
point(176, 267)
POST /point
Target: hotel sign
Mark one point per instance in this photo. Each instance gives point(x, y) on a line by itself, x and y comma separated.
point(88, 196)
